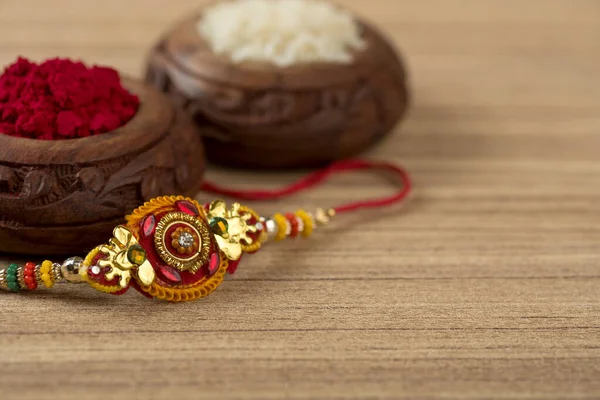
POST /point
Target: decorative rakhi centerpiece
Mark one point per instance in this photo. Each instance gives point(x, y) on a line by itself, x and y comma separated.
point(173, 249)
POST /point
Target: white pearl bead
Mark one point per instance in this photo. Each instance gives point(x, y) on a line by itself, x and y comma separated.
point(271, 226)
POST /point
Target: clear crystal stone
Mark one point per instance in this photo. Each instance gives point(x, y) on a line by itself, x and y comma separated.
point(186, 240)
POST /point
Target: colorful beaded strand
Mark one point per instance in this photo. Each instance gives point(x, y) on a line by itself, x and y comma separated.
point(301, 222)
point(30, 276)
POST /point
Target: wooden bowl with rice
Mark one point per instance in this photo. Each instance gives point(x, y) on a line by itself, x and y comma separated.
point(294, 104)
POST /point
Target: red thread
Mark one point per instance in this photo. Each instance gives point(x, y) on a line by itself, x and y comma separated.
point(62, 99)
point(318, 177)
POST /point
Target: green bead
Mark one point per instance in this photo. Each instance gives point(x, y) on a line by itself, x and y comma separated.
point(136, 254)
point(11, 278)
point(219, 226)
point(13, 286)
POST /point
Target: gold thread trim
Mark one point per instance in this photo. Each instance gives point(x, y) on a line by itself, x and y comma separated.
point(90, 257)
point(103, 288)
point(155, 204)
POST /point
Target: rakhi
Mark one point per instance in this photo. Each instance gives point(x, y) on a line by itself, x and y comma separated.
point(174, 249)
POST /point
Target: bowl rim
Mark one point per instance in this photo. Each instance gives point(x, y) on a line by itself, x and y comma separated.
point(199, 60)
point(149, 125)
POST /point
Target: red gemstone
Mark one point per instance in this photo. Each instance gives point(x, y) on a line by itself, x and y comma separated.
point(213, 264)
point(233, 265)
point(187, 207)
point(168, 274)
point(148, 225)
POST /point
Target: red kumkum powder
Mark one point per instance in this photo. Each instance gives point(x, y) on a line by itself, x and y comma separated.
point(62, 99)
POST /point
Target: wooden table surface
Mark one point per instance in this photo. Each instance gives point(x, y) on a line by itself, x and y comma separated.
point(486, 285)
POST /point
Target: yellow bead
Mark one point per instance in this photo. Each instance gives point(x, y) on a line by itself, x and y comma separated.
point(47, 279)
point(281, 222)
point(46, 267)
point(307, 221)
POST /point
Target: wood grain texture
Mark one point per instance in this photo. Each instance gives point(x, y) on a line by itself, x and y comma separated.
point(486, 285)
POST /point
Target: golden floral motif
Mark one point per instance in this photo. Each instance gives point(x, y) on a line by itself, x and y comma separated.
point(230, 242)
point(117, 259)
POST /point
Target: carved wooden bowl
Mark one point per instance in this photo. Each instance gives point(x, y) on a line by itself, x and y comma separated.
point(66, 196)
point(263, 116)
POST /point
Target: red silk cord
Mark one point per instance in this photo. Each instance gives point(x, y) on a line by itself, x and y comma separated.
point(317, 177)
